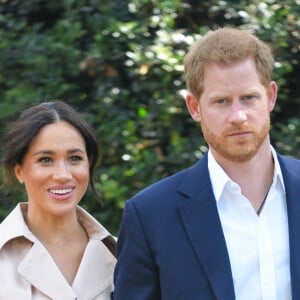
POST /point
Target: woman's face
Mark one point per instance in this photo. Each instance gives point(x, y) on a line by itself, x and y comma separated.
point(55, 170)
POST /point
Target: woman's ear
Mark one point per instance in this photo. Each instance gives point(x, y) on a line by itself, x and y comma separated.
point(19, 173)
point(193, 106)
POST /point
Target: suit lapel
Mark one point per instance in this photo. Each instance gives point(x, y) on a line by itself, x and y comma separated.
point(203, 227)
point(291, 176)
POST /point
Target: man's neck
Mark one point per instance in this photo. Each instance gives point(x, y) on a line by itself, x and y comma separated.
point(254, 176)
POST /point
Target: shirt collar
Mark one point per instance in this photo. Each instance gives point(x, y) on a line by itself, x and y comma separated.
point(14, 225)
point(220, 179)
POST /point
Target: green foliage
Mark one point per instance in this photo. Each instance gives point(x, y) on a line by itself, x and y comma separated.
point(120, 64)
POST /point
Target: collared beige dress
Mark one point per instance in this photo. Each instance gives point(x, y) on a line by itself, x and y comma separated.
point(27, 271)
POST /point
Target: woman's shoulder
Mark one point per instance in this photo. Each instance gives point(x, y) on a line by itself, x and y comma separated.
point(14, 227)
point(95, 230)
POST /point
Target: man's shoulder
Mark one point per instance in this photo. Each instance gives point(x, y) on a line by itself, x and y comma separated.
point(290, 166)
point(176, 186)
point(288, 160)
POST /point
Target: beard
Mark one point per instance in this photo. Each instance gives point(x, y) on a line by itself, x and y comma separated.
point(234, 148)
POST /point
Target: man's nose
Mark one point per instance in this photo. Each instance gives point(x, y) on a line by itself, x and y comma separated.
point(238, 113)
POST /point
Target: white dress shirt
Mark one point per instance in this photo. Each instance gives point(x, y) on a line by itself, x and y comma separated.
point(258, 245)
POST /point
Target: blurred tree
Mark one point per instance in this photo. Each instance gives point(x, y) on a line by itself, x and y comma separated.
point(120, 64)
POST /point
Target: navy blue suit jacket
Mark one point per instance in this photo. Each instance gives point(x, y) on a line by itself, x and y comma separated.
point(171, 244)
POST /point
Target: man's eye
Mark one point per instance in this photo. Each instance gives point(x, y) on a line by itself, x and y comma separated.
point(248, 97)
point(221, 101)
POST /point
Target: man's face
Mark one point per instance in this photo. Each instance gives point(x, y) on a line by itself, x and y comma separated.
point(234, 110)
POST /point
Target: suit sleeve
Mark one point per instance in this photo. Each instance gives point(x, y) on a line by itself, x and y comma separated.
point(136, 276)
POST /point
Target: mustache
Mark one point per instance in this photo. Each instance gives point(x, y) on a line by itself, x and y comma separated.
point(239, 128)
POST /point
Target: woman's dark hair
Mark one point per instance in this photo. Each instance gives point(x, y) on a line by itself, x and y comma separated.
point(22, 131)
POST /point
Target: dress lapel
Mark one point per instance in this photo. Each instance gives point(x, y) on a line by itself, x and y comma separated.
point(40, 270)
point(203, 227)
point(93, 277)
point(95, 271)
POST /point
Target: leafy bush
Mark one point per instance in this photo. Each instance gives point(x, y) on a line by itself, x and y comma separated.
point(120, 64)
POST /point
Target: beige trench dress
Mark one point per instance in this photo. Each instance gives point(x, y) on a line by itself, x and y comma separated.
point(27, 271)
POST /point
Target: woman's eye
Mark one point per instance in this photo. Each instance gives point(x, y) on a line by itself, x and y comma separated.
point(75, 158)
point(45, 159)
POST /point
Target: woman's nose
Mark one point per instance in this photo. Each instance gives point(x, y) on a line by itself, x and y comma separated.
point(62, 171)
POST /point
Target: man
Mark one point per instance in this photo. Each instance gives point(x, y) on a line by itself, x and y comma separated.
point(228, 227)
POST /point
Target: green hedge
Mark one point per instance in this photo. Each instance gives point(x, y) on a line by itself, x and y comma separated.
point(120, 64)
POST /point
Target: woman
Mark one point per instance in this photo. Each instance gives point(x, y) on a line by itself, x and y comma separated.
point(50, 248)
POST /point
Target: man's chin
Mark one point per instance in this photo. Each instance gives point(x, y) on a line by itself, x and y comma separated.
point(239, 154)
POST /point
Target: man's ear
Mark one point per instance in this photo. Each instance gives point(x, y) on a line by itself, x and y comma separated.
point(193, 107)
point(272, 94)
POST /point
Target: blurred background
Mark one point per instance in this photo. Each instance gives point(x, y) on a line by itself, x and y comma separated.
point(119, 63)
